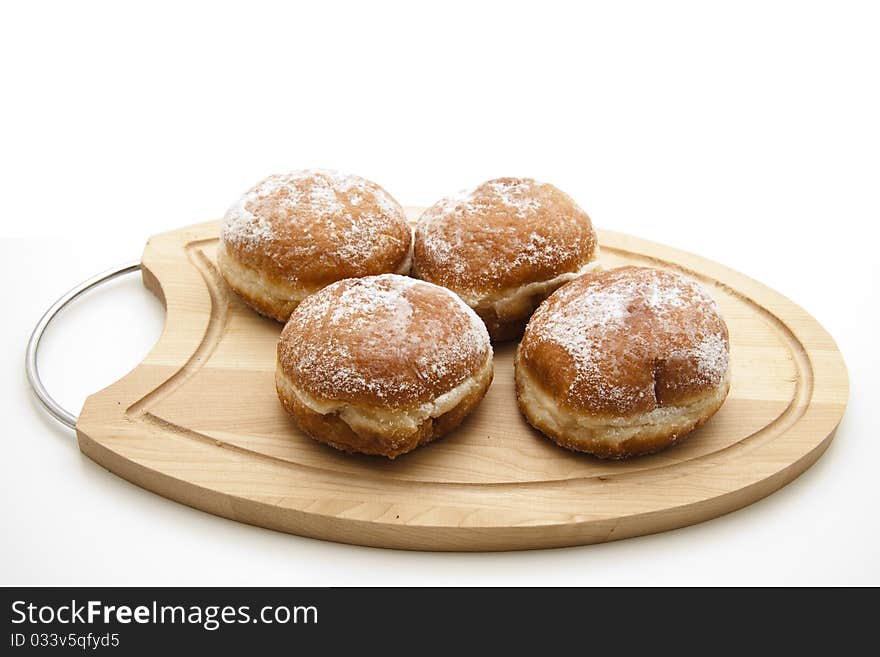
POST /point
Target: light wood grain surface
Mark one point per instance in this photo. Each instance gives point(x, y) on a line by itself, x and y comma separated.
point(198, 422)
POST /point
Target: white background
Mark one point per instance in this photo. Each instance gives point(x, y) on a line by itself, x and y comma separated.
point(746, 132)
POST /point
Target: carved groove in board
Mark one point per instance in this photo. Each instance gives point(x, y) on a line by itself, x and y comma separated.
point(213, 333)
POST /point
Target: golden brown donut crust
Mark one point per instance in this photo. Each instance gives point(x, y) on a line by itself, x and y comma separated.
point(503, 234)
point(387, 341)
point(310, 228)
point(627, 340)
point(382, 364)
point(620, 344)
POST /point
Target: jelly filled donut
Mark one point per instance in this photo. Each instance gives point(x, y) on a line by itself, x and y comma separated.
point(382, 364)
point(291, 235)
point(503, 248)
point(623, 362)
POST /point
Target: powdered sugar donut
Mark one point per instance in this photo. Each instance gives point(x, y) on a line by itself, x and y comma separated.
point(382, 364)
point(292, 234)
point(504, 247)
point(623, 362)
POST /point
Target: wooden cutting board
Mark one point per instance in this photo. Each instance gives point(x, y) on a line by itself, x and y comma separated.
point(198, 422)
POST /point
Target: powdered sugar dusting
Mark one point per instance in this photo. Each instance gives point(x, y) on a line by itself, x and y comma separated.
point(516, 194)
point(712, 357)
point(391, 338)
point(318, 214)
point(386, 300)
point(242, 227)
point(503, 225)
point(631, 317)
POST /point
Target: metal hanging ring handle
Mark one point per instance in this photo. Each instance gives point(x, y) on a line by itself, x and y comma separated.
point(30, 359)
